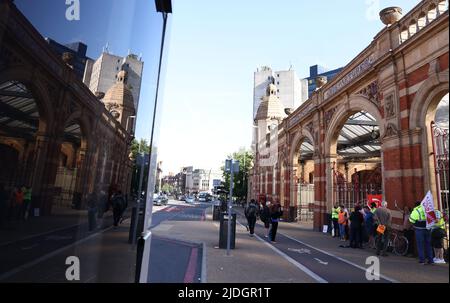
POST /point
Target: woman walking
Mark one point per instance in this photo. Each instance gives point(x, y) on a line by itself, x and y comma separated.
point(275, 214)
point(265, 217)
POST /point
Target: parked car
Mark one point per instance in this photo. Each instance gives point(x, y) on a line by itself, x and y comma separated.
point(181, 197)
point(160, 200)
point(190, 199)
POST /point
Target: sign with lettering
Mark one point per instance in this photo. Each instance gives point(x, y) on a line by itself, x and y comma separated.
point(348, 78)
point(428, 206)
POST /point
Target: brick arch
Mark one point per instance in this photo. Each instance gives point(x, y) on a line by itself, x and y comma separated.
point(427, 97)
point(354, 105)
point(423, 110)
point(80, 118)
point(33, 81)
point(299, 137)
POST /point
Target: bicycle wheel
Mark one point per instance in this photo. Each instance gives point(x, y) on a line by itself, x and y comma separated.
point(400, 245)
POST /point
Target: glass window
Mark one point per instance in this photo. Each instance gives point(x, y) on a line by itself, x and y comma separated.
point(71, 182)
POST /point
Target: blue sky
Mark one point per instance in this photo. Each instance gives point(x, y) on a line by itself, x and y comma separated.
point(214, 47)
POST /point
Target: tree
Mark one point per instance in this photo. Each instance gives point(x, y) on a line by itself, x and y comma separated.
point(240, 179)
point(139, 147)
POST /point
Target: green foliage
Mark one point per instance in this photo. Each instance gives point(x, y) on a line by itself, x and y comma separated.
point(240, 179)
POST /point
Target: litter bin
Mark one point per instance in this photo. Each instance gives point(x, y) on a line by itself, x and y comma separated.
point(216, 212)
point(224, 230)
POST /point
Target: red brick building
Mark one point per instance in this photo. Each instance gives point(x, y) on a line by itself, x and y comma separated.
point(368, 131)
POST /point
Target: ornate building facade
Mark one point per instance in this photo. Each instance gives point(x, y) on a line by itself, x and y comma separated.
point(369, 131)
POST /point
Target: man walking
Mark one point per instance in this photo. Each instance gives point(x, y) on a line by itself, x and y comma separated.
point(251, 212)
point(423, 235)
point(383, 218)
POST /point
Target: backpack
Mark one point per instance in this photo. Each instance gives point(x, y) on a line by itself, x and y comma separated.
point(251, 210)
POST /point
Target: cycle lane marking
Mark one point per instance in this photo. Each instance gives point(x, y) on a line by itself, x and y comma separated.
point(300, 266)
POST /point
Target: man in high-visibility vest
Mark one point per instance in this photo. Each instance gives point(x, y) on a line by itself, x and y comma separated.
point(335, 217)
point(437, 238)
point(423, 235)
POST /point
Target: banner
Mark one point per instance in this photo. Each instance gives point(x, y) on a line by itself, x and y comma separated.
point(428, 207)
point(374, 198)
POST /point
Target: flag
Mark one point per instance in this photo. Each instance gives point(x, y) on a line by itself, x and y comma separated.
point(428, 207)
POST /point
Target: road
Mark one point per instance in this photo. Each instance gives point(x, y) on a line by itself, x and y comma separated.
point(176, 261)
point(322, 266)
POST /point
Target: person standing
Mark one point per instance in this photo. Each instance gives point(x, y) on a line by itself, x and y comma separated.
point(18, 203)
point(356, 223)
point(369, 226)
point(423, 235)
point(251, 213)
point(342, 221)
point(383, 218)
point(265, 217)
point(437, 238)
point(26, 202)
point(275, 214)
point(118, 203)
point(335, 219)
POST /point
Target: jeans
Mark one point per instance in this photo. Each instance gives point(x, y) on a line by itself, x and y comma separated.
point(273, 231)
point(355, 237)
point(423, 240)
point(382, 241)
point(342, 231)
point(251, 224)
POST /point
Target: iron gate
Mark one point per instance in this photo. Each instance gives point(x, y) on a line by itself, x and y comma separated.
point(305, 202)
point(440, 152)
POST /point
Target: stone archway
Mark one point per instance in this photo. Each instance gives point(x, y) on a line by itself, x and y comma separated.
point(302, 136)
point(423, 111)
point(356, 104)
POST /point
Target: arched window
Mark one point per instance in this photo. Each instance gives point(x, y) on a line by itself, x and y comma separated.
point(404, 35)
point(442, 7)
point(412, 27)
point(422, 21)
point(432, 13)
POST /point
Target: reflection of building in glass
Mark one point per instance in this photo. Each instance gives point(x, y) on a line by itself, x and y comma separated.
point(101, 74)
point(77, 50)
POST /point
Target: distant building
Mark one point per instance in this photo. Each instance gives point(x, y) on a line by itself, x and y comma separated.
point(100, 74)
point(78, 51)
point(291, 90)
point(316, 71)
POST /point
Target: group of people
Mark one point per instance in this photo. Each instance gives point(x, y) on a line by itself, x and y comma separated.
point(15, 204)
point(269, 213)
point(373, 225)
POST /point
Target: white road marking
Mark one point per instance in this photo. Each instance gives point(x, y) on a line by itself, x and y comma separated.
point(321, 262)
point(339, 258)
point(300, 251)
point(292, 261)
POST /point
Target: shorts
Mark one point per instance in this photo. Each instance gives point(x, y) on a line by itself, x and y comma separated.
point(437, 238)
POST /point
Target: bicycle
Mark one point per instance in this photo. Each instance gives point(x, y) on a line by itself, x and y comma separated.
point(398, 243)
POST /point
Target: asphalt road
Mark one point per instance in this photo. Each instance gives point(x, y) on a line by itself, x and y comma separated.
point(175, 261)
point(322, 266)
